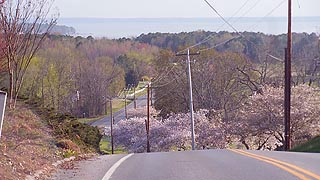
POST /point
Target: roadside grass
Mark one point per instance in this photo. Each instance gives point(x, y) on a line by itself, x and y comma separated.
point(117, 104)
point(89, 120)
point(140, 86)
point(311, 146)
point(105, 146)
point(142, 93)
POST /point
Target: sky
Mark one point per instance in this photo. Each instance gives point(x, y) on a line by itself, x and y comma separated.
point(181, 8)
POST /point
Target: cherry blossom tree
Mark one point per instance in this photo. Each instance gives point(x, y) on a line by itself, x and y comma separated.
point(170, 134)
point(260, 121)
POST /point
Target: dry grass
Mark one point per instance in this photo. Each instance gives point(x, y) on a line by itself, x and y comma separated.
point(26, 145)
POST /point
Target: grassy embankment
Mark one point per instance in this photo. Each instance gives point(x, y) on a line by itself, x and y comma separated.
point(311, 146)
point(33, 138)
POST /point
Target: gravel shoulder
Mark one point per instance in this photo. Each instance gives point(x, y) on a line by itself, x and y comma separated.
point(93, 169)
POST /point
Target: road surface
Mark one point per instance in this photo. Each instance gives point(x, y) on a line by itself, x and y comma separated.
point(105, 122)
point(200, 165)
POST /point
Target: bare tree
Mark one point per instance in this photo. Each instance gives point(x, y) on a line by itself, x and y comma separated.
point(25, 24)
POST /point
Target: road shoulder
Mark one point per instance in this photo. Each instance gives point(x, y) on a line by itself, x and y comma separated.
point(93, 169)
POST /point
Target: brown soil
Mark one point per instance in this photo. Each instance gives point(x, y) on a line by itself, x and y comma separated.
point(26, 146)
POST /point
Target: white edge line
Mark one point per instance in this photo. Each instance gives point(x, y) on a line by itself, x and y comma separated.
point(113, 168)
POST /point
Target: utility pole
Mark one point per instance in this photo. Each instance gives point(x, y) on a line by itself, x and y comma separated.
point(125, 103)
point(287, 88)
point(191, 98)
point(134, 97)
point(111, 126)
point(148, 119)
point(151, 103)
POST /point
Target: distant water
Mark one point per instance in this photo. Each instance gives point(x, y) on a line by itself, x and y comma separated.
point(118, 28)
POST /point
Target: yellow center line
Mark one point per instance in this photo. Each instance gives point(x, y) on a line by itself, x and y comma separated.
point(279, 165)
point(286, 164)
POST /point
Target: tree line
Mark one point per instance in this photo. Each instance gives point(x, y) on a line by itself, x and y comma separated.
point(246, 90)
point(74, 75)
point(256, 124)
point(255, 46)
point(80, 75)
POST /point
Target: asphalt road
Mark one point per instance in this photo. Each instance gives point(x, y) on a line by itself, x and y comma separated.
point(205, 165)
point(105, 122)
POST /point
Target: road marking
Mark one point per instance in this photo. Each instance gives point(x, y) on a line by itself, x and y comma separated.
point(113, 168)
point(283, 165)
point(287, 164)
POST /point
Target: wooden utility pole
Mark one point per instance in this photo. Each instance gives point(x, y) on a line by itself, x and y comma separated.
point(287, 88)
point(111, 126)
point(125, 103)
point(134, 97)
point(148, 119)
point(190, 94)
point(151, 103)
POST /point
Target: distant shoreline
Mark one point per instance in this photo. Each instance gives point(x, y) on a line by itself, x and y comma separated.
point(133, 27)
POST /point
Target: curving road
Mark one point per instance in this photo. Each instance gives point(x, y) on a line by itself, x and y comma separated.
point(200, 165)
point(105, 122)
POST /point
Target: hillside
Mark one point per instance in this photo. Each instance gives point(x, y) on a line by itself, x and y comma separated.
point(26, 145)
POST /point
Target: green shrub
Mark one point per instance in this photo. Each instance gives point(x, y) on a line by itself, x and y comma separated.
point(68, 153)
point(85, 136)
point(65, 126)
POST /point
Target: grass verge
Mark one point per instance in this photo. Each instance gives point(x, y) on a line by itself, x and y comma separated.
point(311, 146)
point(89, 120)
point(117, 104)
point(105, 146)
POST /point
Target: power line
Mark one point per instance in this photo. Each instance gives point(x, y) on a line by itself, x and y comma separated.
point(227, 22)
point(230, 25)
point(255, 46)
point(269, 13)
point(234, 14)
point(229, 19)
point(163, 75)
point(250, 9)
point(229, 40)
point(209, 37)
point(298, 4)
point(213, 35)
point(167, 83)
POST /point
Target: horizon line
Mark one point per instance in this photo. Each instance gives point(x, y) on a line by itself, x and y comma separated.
point(181, 17)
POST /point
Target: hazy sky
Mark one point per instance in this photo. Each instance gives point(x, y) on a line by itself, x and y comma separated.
point(180, 8)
